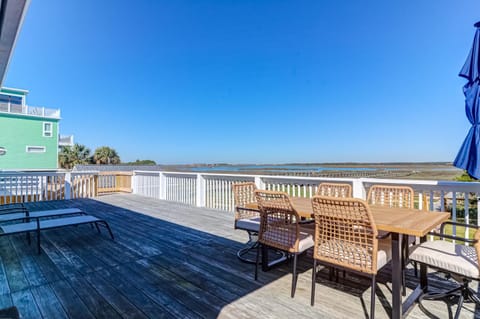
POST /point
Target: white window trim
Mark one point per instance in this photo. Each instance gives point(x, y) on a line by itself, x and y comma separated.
point(44, 149)
point(51, 129)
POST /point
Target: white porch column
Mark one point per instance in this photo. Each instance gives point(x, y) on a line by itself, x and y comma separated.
point(259, 182)
point(134, 183)
point(68, 185)
point(163, 186)
point(359, 189)
point(201, 191)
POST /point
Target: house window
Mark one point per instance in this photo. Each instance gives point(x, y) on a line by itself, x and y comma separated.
point(36, 149)
point(47, 129)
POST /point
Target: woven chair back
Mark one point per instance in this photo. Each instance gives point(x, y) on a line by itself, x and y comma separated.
point(345, 233)
point(391, 196)
point(278, 221)
point(244, 193)
point(335, 190)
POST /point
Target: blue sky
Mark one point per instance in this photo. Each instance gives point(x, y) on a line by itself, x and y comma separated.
point(252, 81)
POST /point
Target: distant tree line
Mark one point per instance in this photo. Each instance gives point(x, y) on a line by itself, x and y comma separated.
point(141, 162)
point(69, 156)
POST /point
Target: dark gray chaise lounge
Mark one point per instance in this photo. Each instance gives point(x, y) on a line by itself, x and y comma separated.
point(8, 214)
point(20, 220)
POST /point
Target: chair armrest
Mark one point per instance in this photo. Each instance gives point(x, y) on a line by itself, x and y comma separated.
point(247, 209)
point(13, 210)
point(442, 227)
point(441, 235)
point(306, 221)
point(384, 236)
point(12, 206)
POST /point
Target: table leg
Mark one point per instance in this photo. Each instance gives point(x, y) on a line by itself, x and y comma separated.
point(419, 290)
point(396, 276)
point(423, 271)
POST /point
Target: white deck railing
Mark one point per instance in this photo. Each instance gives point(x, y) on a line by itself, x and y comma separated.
point(214, 190)
point(32, 187)
point(39, 111)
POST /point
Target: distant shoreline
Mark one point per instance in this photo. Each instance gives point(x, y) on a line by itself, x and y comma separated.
point(411, 170)
point(419, 170)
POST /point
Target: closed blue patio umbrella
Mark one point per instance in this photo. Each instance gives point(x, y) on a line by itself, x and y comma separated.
point(468, 157)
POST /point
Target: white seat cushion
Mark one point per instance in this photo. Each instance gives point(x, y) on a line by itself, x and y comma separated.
point(250, 224)
point(357, 253)
point(306, 241)
point(458, 259)
point(384, 253)
point(288, 243)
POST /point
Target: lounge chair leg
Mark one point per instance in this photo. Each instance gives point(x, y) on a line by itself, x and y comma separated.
point(294, 275)
point(314, 277)
point(372, 298)
point(98, 228)
point(38, 242)
point(109, 230)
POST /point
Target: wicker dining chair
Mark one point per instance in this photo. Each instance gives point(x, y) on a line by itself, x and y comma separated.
point(459, 260)
point(395, 197)
point(280, 228)
point(390, 196)
point(246, 219)
point(346, 238)
point(334, 190)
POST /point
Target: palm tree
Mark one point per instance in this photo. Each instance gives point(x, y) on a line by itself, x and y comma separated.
point(68, 156)
point(106, 155)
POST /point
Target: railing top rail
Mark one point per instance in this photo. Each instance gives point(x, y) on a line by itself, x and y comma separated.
point(252, 176)
point(147, 172)
point(115, 173)
point(10, 174)
point(416, 184)
point(84, 172)
point(428, 184)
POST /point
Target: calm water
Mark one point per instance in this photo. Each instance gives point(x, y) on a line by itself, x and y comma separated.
point(289, 168)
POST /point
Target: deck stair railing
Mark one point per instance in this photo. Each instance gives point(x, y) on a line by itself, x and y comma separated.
point(114, 182)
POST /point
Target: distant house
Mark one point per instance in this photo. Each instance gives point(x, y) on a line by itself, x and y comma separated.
point(29, 136)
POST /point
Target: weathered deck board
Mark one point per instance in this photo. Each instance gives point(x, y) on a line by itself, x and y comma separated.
point(169, 261)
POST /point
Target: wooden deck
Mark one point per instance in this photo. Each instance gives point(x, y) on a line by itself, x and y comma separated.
point(169, 261)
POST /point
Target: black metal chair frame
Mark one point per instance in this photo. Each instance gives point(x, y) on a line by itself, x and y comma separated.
point(251, 244)
point(463, 292)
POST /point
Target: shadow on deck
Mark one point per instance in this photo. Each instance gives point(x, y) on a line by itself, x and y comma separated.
point(168, 261)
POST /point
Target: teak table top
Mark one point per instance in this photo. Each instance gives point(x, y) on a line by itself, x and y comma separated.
point(396, 220)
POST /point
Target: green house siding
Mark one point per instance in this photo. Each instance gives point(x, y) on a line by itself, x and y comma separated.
point(17, 133)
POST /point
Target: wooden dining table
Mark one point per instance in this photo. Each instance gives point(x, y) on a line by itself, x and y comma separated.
point(400, 222)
